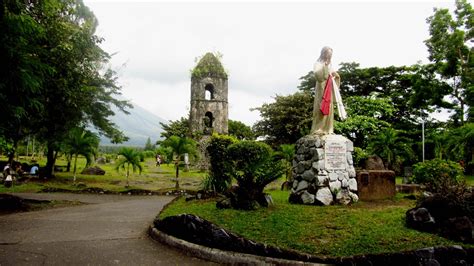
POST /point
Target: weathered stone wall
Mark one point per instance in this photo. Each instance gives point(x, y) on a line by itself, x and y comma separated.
point(376, 184)
point(218, 106)
point(323, 171)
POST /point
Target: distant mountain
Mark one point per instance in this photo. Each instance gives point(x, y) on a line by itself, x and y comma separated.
point(139, 125)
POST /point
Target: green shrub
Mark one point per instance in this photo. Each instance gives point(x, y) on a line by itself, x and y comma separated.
point(254, 165)
point(219, 178)
point(437, 175)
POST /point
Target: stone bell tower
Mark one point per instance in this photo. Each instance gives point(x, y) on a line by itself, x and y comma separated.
point(209, 104)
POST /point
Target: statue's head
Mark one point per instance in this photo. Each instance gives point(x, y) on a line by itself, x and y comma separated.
point(326, 54)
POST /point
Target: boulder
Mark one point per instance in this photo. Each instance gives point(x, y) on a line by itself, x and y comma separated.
point(343, 197)
point(420, 219)
point(307, 198)
point(324, 196)
point(374, 163)
point(101, 160)
point(93, 171)
point(352, 184)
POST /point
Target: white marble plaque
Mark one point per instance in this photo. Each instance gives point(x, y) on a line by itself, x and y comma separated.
point(335, 155)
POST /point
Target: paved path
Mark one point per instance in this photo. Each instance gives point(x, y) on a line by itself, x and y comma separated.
point(109, 231)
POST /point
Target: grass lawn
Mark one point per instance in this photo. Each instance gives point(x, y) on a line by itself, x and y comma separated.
point(153, 178)
point(363, 228)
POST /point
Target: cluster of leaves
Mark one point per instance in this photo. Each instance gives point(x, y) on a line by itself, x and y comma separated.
point(209, 66)
point(251, 163)
point(219, 178)
point(438, 175)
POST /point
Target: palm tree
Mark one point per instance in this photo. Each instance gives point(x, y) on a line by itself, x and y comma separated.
point(391, 147)
point(129, 157)
point(81, 142)
point(180, 146)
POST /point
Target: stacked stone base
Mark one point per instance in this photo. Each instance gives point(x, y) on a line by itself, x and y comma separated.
point(323, 171)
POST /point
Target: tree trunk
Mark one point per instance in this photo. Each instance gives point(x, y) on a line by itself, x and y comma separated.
point(75, 163)
point(50, 160)
point(128, 173)
point(177, 174)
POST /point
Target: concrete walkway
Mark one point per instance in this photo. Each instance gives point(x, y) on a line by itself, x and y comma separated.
point(112, 230)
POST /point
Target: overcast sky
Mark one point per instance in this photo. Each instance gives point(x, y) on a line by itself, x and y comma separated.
point(266, 46)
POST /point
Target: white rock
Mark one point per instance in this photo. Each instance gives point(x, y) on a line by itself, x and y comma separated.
point(340, 176)
point(352, 172)
point(303, 184)
point(323, 180)
point(324, 196)
point(344, 183)
point(335, 186)
point(343, 197)
point(333, 176)
point(353, 184)
point(350, 146)
point(307, 198)
point(320, 153)
point(349, 158)
point(354, 197)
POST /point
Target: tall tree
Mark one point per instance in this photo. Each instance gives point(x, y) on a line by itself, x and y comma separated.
point(78, 90)
point(148, 145)
point(450, 49)
point(285, 120)
point(21, 71)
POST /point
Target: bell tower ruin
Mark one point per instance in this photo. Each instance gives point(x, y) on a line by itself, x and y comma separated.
point(209, 104)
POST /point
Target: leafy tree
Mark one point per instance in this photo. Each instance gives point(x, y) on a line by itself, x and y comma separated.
point(21, 71)
point(128, 157)
point(240, 130)
point(450, 49)
point(366, 117)
point(285, 120)
point(81, 142)
point(178, 128)
point(148, 145)
point(391, 147)
point(180, 146)
point(57, 67)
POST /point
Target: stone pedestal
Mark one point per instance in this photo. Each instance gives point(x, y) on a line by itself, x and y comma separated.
point(323, 171)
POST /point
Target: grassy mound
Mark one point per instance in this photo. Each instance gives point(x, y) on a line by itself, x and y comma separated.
point(334, 231)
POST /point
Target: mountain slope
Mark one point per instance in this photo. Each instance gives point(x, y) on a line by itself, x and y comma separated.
point(139, 125)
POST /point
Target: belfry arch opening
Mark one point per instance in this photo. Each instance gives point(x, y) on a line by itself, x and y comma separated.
point(208, 120)
point(209, 92)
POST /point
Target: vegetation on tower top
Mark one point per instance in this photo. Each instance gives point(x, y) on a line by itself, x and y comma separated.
point(209, 66)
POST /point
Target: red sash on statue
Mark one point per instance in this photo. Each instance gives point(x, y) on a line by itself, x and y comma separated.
point(327, 95)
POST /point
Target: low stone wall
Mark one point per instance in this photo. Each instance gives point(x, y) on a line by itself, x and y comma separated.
point(210, 241)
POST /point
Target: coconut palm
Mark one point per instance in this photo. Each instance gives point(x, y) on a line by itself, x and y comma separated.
point(81, 142)
point(180, 146)
point(128, 157)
